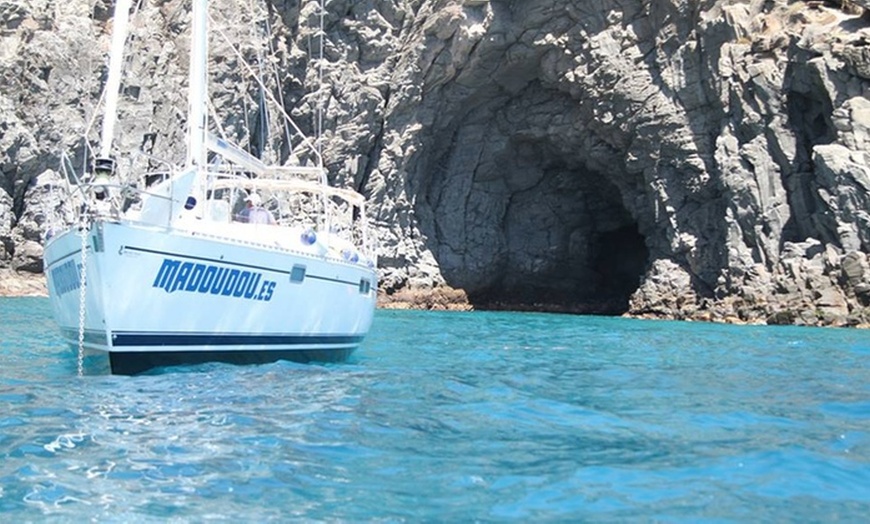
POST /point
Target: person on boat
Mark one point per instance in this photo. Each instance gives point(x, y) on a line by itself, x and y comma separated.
point(254, 212)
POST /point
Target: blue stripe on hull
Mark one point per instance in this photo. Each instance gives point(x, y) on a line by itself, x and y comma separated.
point(128, 339)
point(131, 363)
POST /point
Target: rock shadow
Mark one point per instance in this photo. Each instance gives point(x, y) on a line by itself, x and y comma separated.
point(526, 215)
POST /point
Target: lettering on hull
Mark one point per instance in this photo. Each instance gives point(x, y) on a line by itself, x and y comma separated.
point(65, 278)
point(207, 279)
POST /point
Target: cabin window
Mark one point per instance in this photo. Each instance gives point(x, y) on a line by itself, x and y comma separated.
point(297, 274)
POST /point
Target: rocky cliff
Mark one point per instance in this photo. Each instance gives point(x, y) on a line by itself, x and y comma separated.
point(666, 158)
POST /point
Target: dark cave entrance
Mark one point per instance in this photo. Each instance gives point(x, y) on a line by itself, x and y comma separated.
point(600, 284)
point(543, 233)
point(622, 258)
point(524, 208)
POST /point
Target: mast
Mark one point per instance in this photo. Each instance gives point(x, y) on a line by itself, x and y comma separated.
point(113, 82)
point(198, 95)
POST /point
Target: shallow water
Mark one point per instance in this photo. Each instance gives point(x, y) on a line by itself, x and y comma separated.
point(450, 417)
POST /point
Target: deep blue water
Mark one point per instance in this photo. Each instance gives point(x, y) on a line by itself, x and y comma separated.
point(450, 417)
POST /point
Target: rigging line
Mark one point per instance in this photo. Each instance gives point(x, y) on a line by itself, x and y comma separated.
point(262, 129)
point(244, 98)
point(88, 128)
point(102, 94)
point(69, 169)
point(257, 137)
point(327, 216)
point(304, 139)
point(213, 111)
point(278, 84)
point(288, 133)
point(262, 109)
point(102, 100)
point(320, 61)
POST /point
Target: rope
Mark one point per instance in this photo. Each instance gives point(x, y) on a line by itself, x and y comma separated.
point(83, 284)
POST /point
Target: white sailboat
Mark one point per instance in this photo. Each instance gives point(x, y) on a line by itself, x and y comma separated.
point(172, 273)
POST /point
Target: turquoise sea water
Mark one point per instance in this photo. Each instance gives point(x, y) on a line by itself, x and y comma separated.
point(450, 417)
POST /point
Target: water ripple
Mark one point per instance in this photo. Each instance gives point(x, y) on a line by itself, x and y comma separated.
point(451, 417)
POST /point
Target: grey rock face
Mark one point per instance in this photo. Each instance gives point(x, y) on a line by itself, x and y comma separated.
point(7, 245)
point(660, 158)
point(654, 157)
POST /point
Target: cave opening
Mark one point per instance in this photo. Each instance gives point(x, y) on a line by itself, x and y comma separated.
point(544, 231)
point(594, 272)
point(622, 257)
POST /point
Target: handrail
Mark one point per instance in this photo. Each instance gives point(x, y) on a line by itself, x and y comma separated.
point(349, 195)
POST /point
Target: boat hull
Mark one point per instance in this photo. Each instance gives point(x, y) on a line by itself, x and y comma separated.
point(158, 297)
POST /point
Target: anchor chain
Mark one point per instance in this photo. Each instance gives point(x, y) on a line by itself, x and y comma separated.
point(83, 283)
